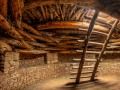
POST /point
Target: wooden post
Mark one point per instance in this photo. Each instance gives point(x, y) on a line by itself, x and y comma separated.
point(103, 49)
point(86, 44)
point(16, 11)
point(3, 8)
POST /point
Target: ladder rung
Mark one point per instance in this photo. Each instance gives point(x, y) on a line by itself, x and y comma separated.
point(92, 52)
point(73, 73)
point(88, 66)
point(82, 77)
point(75, 67)
point(86, 60)
point(92, 66)
point(87, 72)
point(85, 76)
point(96, 43)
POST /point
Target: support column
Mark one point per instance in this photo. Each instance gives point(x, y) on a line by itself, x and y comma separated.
point(9, 62)
point(52, 58)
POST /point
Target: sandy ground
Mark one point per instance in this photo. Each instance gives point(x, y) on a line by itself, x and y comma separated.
point(64, 83)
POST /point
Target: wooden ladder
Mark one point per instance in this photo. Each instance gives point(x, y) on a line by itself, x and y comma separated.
point(80, 62)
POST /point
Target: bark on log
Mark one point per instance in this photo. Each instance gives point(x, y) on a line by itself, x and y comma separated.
point(4, 24)
point(115, 44)
point(9, 29)
point(41, 38)
point(12, 42)
point(71, 24)
point(31, 51)
point(112, 52)
point(26, 45)
point(16, 7)
point(37, 44)
point(26, 35)
point(4, 46)
point(4, 7)
point(103, 5)
point(31, 29)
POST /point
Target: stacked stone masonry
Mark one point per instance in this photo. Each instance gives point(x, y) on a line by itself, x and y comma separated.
point(9, 62)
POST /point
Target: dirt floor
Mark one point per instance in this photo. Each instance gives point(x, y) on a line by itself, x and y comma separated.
point(64, 83)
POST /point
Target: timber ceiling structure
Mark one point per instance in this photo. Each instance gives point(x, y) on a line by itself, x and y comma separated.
point(56, 25)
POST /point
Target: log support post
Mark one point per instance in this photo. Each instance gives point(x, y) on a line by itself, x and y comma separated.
point(9, 62)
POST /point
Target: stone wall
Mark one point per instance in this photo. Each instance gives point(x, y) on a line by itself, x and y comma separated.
point(25, 76)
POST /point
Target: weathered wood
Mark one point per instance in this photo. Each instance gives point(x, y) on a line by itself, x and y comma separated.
point(37, 44)
point(52, 10)
point(67, 51)
point(114, 40)
point(70, 24)
point(26, 18)
point(80, 31)
point(31, 29)
point(26, 35)
point(33, 4)
point(4, 24)
point(5, 47)
point(53, 49)
point(93, 43)
point(41, 38)
point(112, 52)
point(43, 12)
point(16, 7)
point(12, 42)
point(28, 13)
point(80, 11)
point(91, 52)
point(4, 8)
point(115, 44)
point(96, 4)
point(26, 45)
point(103, 49)
point(86, 44)
point(30, 51)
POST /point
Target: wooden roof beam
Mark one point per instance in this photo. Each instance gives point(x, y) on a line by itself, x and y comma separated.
point(4, 24)
point(96, 4)
point(35, 3)
point(70, 24)
point(24, 51)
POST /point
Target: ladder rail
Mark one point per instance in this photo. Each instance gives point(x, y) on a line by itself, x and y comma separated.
point(103, 49)
point(86, 44)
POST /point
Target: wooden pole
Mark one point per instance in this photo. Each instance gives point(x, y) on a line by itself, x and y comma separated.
point(103, 49)
point(3, 8)
point(16, 7)
point(86, 44)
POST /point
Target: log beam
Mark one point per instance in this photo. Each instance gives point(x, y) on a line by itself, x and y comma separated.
point(24, 51)
point(96, 4)
point(31, 29)
point(4, 24)
point(70, 24)
point(4, 7)
point(4, 46)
